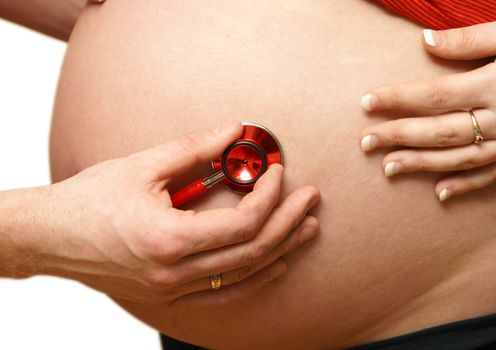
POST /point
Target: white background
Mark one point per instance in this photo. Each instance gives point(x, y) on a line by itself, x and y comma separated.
point(44, 312)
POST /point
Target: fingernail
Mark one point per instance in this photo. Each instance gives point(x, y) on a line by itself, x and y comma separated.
point(369, 102)
point(226, 128)
point(392, 168)
point(307, 232)
point(369, 142)
point(444, 194)
point(432, 37)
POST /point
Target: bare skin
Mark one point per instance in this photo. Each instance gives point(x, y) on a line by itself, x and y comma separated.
point(443, 138)
point(390, 258)
point(113, 227)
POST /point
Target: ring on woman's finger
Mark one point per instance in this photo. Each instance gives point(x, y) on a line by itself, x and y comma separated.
point(477, 130)
point(438, 131)
point(216, 280)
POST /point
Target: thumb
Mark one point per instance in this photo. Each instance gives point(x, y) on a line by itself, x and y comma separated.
point(179, 155)
point(466, 43)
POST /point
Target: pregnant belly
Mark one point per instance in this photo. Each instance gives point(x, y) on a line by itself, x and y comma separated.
point(390, 259)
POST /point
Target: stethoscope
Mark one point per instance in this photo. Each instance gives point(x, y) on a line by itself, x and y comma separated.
point(240, 166)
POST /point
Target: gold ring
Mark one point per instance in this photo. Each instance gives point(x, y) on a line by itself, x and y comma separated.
point(477, 130)
point(216, 280)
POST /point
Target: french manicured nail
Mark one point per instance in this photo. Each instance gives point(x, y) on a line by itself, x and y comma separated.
point(444, 194)
point(392, 168)
point(369, 102)
point(307, 233)
point(369, 142)
point(432, 37)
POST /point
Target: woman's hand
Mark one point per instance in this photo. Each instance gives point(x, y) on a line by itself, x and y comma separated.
point(443, 140)
point(113, 228)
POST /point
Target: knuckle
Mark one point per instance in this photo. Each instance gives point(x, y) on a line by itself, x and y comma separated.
point(244, 234)
point(190, 142)
point(467, 39)
point(161, 280)
point(466, 162)
point(437, 96)
point(248, 229)
point(256, 209)
point(291, 244)
point(293, 212)
point(445, 136)
point(295, 219)
point(263, 249)
point(397, 132)
point(161, 251)
point(252, 256)
point(418, 162)
point(146, 244)
point(395, 97)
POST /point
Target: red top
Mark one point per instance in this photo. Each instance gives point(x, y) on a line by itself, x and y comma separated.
point(444, 14)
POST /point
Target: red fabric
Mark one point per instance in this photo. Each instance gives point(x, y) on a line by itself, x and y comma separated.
point(444, 14)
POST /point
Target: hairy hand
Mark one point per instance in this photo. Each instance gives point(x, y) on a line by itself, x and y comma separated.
point(118, 232)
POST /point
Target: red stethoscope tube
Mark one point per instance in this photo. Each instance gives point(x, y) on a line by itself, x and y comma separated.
point(240, 166)
point(195, 189)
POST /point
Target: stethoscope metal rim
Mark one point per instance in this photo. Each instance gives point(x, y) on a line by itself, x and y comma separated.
point(277, 144)
point(271, 134)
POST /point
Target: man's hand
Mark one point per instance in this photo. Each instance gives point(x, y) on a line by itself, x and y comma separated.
point(113, 228)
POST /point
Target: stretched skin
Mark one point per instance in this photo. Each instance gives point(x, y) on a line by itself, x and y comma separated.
point(390, 258)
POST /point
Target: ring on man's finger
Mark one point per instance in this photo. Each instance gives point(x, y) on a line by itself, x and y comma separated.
point(216, 281)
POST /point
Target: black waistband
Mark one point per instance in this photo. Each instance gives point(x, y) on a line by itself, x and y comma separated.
point(471, 334)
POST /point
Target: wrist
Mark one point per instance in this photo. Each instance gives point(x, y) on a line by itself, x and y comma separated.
point(23, 226)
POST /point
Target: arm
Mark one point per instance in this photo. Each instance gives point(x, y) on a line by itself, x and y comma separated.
point(113, 228)
point(52, 17)
point(18, 211)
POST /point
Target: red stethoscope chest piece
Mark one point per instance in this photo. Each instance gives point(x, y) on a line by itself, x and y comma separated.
point(241, 164)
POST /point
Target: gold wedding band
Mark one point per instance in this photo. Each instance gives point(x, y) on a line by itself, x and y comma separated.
point(477, 130)
point(216, 280)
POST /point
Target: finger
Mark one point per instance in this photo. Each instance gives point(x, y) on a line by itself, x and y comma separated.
point(440, 160)
point(466, 181)
point(193, 232)
point(215, 228)
point(279, 225)
point(457, 91)
point(452, 129)
point(177, 156)
point(466, 43)
point(229, 294)
point(305, 231)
